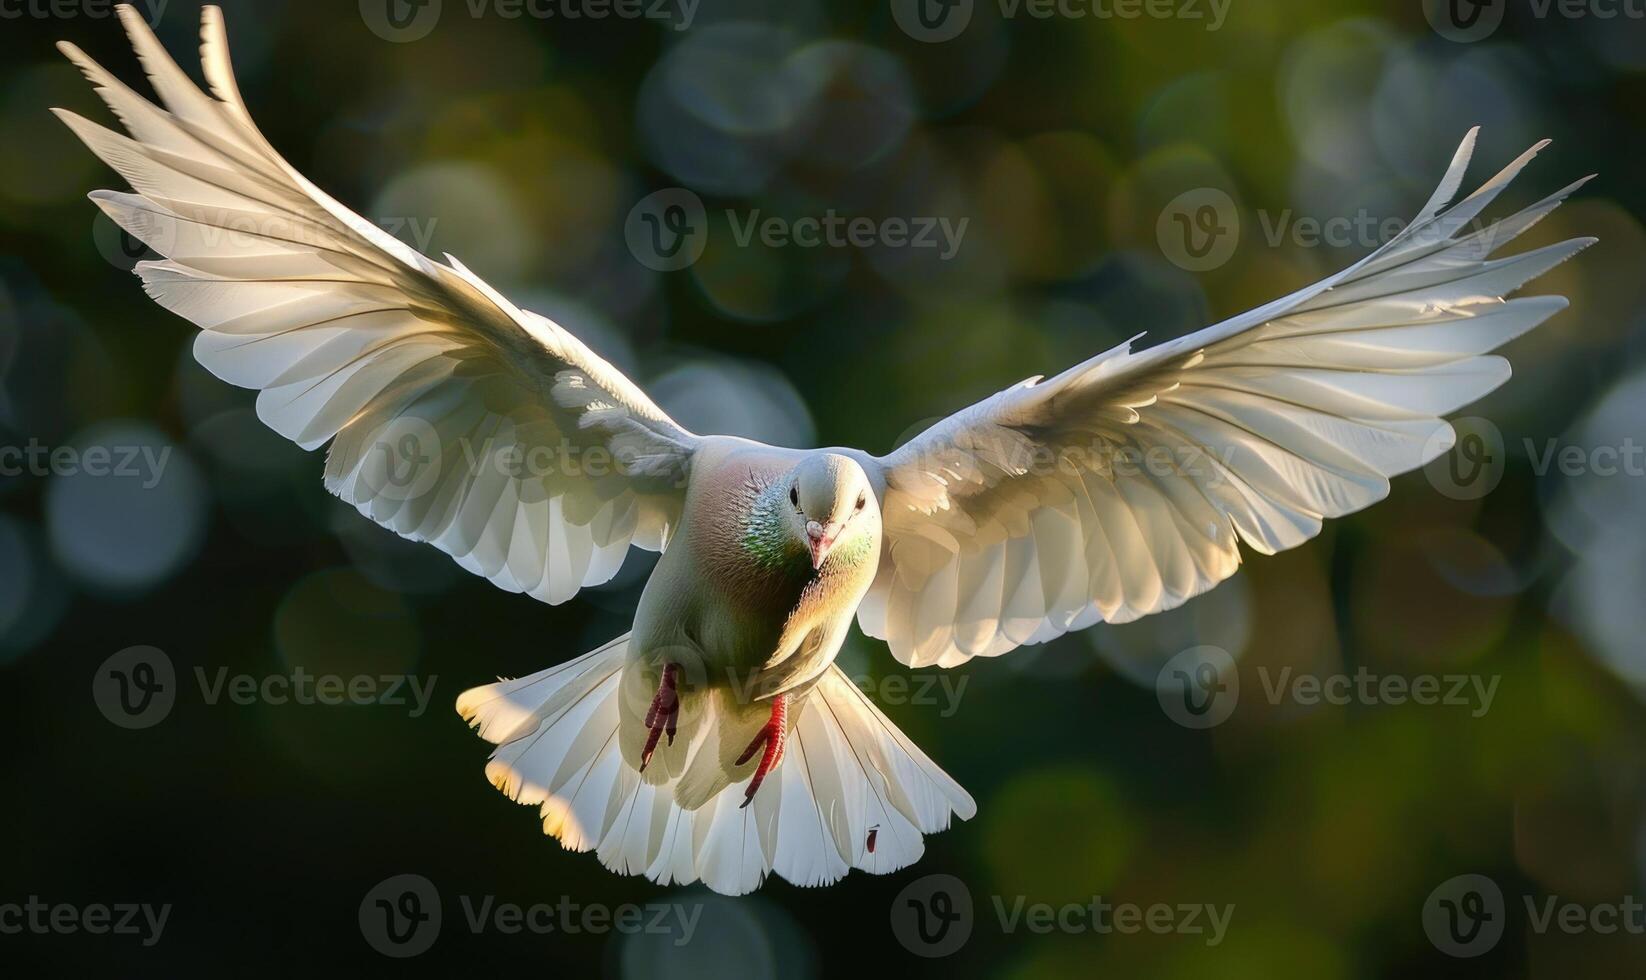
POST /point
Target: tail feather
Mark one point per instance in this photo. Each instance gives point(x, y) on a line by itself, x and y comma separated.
point(504, 711)
point(852, 791)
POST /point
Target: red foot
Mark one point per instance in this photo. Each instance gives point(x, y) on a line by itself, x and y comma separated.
point(774, 735)
point(663, 713)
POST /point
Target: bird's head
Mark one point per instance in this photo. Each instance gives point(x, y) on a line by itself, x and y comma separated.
point(832, 505)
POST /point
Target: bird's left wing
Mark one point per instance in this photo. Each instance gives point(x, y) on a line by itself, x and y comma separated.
point(1122, 486)
point(454, 417)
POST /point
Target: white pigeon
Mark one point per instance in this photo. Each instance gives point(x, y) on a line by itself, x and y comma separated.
point(717, 741)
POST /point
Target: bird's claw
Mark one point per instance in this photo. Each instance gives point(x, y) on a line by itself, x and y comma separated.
point(774, 734)
point(663, 714)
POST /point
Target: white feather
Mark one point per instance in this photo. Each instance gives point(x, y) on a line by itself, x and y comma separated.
point(1269, 422)
point(847, 772)
point(346, 331)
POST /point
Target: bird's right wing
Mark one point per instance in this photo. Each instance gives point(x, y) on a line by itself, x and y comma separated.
point(1124, 485)
point(454, 417)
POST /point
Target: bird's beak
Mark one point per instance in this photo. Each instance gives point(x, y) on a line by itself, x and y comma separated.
point(820, 539)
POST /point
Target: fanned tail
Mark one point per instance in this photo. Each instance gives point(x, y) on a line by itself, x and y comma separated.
point(852, 792)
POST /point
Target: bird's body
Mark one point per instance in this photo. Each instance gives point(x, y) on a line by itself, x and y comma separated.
point(717, 741)
point(742, 590)
point(739, 606)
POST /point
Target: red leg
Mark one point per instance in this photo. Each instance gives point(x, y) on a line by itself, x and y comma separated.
point(774, 735)
point(663, 713)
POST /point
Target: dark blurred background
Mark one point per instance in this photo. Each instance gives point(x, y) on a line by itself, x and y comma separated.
point(520, 139)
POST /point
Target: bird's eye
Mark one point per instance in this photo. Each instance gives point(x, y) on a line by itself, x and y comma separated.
point(861, 500)
point(794, 497)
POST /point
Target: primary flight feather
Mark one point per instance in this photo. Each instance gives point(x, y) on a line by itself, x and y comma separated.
point(717, 741)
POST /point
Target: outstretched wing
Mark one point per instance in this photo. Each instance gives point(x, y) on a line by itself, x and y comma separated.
point(1122, 486)
point(454, 417)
